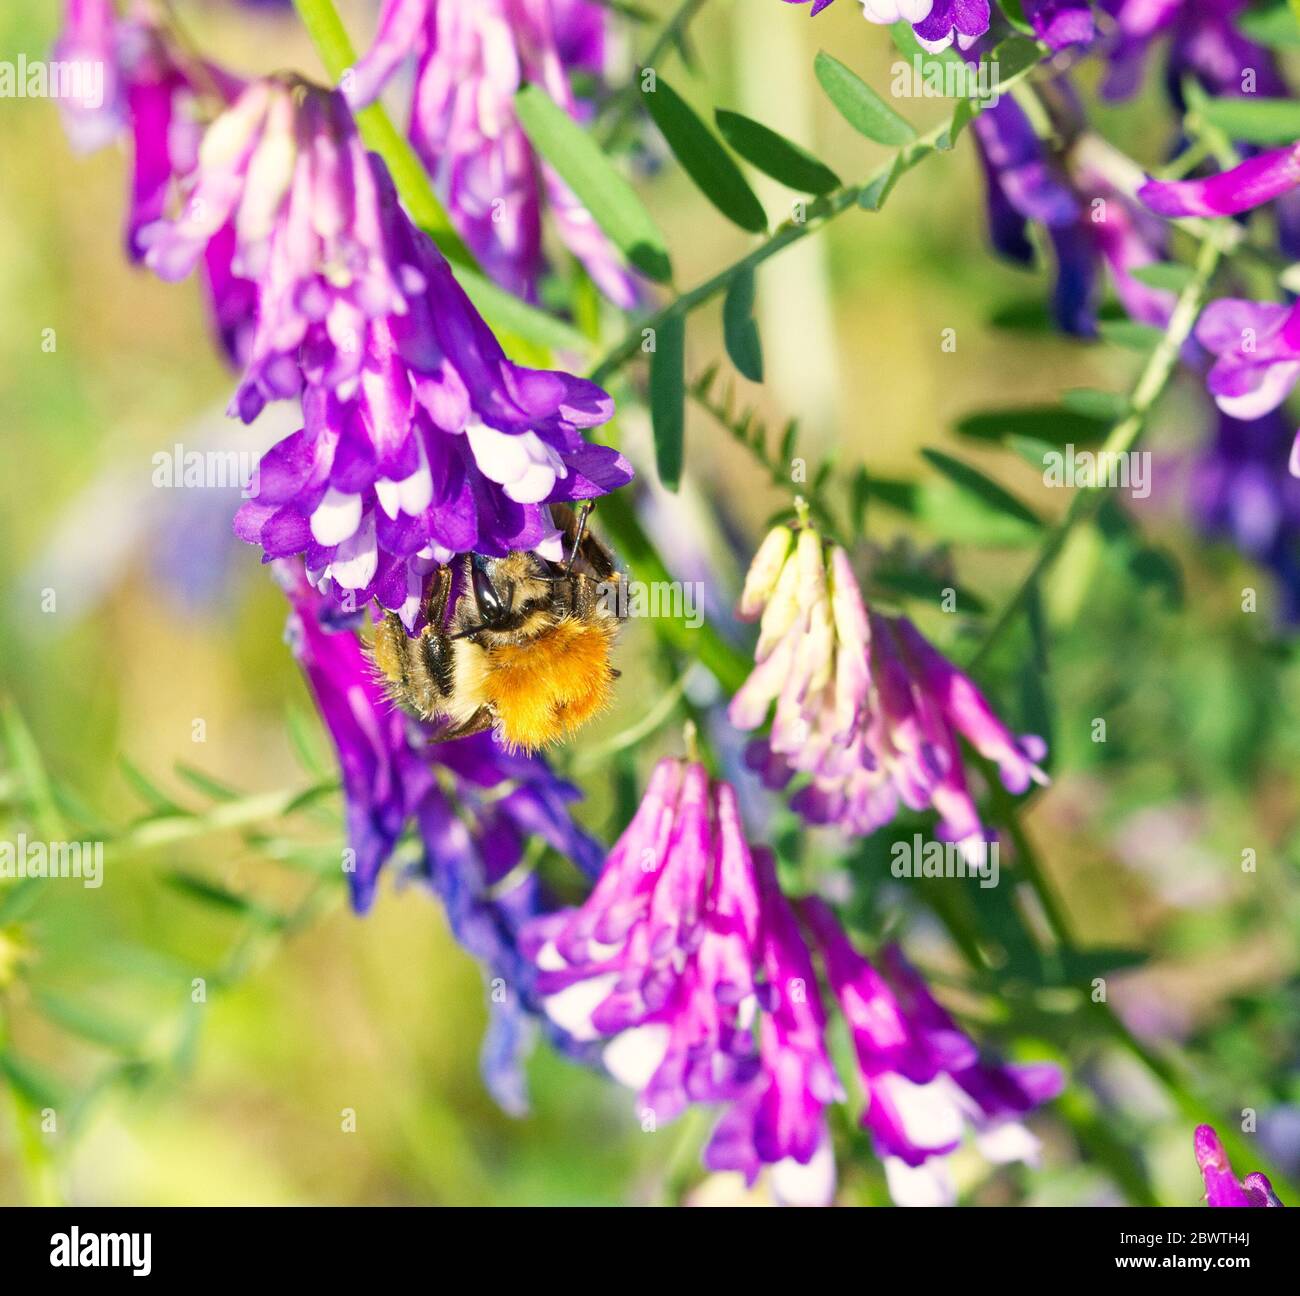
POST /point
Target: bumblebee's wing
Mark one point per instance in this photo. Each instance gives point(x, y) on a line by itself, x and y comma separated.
point(481, 719)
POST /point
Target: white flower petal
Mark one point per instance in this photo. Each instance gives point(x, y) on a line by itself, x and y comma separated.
point(929, 1184)
point(806, 1185)
point(571, 1009)
point(357, 558)
point(336, 518)
point(635, 1055)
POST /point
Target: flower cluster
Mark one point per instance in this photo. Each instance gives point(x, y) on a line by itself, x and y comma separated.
point(687, 948)
point(861, 703)
point(393, 781)
point(472, 59)
point(1090, 222)
point(420, 439)
point(1256, 344)
point(1221, 1185)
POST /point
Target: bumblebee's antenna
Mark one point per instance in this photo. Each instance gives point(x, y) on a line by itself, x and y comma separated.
point(583, 514)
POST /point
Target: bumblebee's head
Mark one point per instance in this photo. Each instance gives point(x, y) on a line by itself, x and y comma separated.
point(512, 596)
point(544, 689)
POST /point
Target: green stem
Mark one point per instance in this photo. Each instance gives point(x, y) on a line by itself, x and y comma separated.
point(818, 214)
point(1151, 383)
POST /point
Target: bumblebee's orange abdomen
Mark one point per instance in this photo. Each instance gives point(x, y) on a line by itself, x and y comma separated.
point(543, 690)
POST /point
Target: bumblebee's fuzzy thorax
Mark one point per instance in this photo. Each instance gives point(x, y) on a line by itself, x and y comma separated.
point(542, 690)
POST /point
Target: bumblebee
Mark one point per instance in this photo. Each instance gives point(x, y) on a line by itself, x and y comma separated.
point(526, 648)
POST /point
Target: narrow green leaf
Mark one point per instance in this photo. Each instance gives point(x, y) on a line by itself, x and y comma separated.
point(1049, 423)
point(25, 757)
point(205, 783)
point(1167, 275)
point(774, 155)
point(1130, 334)
point(148, 791)
point(860, 105)
point(610, 199)
point(1104, 406)
point(88, 1023)
point(703, 158)
point(739, 329)
point(216, 896)
point(508, 314)
point(1014, 55)
point(1251, 120)
point(32, 1083)
point(1276, 27)
point(974, 483)
point(668, 399)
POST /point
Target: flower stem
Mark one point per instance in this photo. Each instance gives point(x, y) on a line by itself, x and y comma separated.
point(1151, 383)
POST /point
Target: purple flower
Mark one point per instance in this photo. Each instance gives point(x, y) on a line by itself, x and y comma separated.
point(89, 40)
point(861, 703)
point(472, 59)
point(1221, 1186)
point(1058, 23)
point(660, 960)
point(1238, 490)
point(1257, 350)
point(1089, 222)
point(446, 447)
point(1203, 43)
point(1257, 180)
point(284, 169)
point(925, 1082)
point(684, 944)
point(158, 94)
point(779, 1121)
point(936, 22)
point(393, 778)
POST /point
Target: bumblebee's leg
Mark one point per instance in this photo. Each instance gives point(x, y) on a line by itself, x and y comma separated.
point(389, 650)
point(439, 593)
point(477, 723)
point(437, 653)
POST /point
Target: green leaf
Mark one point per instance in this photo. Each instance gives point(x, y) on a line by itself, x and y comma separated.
point(509, 315)
point(704, 159)
point(216, 896)
point(922, 585)
point(860, 105)
point(1276, 27)
point(148, 791)
point(1048, 423)
point(610, 199)
point(1014, 13)
point(88, 1023)
point(974, 483)
point(32, 1083)
point(774, 155)
point(962, 115)
point(1014, 55)
point(1130, 334)
point(668, 399)
point(1252, 120)
point(1104, 406)
point(1167, 275)
point(25, 757)
point(205, 783)
point(739, 329)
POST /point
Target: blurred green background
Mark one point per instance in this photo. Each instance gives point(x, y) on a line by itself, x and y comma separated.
point(161, 619)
